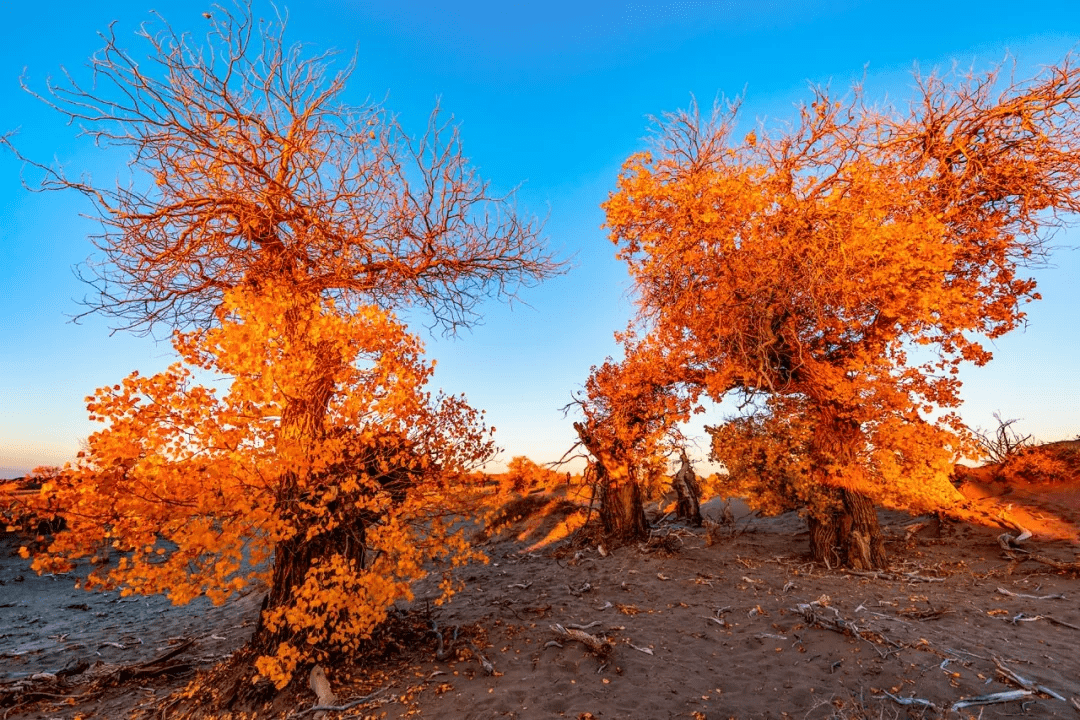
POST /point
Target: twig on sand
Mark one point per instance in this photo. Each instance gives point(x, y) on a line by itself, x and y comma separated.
point(1010, 543)
point(484, 662)
point(909, 701)
point(1011, 546)
point(442, 653)
point(579, 591)
point(1021, 617)
point(1010, 593)
point(840, 625)
point(992, 698)
point(902, 577)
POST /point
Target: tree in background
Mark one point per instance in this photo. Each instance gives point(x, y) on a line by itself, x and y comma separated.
point(835, 275)
point(523, 475)
point(631, 411)
point(687, 491)
point(277, 224)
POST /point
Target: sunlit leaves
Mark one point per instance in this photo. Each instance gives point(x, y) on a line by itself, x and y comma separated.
point(194, 490)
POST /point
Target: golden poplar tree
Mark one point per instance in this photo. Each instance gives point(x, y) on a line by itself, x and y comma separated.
point(835, 273)
point(274, 227)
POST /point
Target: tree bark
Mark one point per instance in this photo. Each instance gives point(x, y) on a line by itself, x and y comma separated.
point(687, 505)
point(849, 537)
point(293, 558)
point(622, 512)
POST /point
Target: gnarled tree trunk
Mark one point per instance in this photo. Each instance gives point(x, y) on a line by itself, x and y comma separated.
point(849, 537)
point(687, 504)
point(622, 512)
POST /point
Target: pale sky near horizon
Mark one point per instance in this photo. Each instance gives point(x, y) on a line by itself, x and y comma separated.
point(551, 97)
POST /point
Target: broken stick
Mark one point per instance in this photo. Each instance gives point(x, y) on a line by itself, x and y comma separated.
point(1010, 593)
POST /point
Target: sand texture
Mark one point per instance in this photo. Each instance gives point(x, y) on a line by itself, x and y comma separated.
point(736, 622)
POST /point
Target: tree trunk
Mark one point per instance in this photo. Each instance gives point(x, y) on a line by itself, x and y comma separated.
point(850, 537)
point(621, 511)
point(303, 424)
point(687, 506)
point(293, 558)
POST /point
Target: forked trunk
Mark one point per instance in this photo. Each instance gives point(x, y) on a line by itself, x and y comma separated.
point(849, 537)
point(687, 504)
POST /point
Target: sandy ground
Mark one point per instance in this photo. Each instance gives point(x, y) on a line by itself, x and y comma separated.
point(737, 625)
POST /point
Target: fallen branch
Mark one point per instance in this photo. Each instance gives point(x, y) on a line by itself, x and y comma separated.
point(1003, 591)
point(909, 701)
point(1056, 564)
point(1021, 617)
point(597, 645)
point(442, 653)
point(1024, 682)
point(901, 577)
point(840, 625)
point(579, 591)
point(24, 692)
point(910, 530)
point(1018, 555)
point(484, 662)
point(992, 698)
point(1009, 543)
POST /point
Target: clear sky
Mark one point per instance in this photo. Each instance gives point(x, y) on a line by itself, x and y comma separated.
point(551, 96)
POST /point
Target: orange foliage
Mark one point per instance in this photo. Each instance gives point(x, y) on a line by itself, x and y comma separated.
point(195, 491)
point(631, 410)
point(523, 475)
point(836, 274)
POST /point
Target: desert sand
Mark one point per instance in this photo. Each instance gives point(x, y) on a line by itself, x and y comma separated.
point(728, 622)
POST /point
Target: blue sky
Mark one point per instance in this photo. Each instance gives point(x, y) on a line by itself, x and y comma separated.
point(551, 97)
